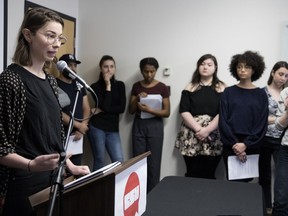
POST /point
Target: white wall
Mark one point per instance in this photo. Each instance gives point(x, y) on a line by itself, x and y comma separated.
point(177, 33)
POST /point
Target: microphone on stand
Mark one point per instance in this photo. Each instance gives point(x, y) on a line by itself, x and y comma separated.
point(62, 66)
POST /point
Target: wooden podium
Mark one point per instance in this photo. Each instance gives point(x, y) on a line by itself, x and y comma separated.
point(93, 197)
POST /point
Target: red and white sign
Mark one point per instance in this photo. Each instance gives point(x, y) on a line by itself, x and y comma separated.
point(130, 190)
point(132, 195)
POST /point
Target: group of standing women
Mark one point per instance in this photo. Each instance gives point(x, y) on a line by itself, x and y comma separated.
point(237, 120)
point(147, 133)
point(217, 120)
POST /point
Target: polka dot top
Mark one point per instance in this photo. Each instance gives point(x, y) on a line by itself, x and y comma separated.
point(14, 107)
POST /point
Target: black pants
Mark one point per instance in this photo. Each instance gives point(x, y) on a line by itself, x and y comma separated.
point(147, 135)
point(201, 166)
point(269, 147)
point(25, 184)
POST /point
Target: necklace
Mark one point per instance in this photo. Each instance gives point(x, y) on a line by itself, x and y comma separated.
point(205, 84)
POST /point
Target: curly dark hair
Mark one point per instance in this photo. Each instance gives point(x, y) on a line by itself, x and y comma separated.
point(252, 59)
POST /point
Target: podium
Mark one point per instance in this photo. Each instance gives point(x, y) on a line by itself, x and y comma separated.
point(120, 191)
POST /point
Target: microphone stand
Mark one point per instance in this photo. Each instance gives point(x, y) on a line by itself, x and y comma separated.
point(58, 188)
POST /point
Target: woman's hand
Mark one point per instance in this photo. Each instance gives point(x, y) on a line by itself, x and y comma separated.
point(239, 148)
point(77, 135)
point(142, 94)
point(107, 77)
point(242, 157)
point(144, 107)
point(202, 134)
point(77, 170)
point(82, 127)
point(141, 106)
point(44, 163)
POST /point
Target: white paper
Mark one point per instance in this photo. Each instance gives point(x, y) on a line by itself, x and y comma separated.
point(152, 100)
point(74, 147)
point(240, 170)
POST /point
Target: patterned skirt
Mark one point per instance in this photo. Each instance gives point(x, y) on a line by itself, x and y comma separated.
point(189, 145)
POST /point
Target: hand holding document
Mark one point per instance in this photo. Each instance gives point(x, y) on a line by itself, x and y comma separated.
point(242, 170)
point(74, 147)
point(152, 100)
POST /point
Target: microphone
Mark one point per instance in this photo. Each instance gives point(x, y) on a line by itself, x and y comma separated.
point(62, 66)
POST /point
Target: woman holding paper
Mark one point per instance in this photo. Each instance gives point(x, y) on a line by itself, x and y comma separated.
point(198, 139)
point(150, 103)
point(243, 109)
point(104, 125)
point(82, 109)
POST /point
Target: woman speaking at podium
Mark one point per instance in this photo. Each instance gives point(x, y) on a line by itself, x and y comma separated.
point(31, 130)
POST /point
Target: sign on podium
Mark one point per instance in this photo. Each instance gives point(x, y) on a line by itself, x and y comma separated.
point(116, 190)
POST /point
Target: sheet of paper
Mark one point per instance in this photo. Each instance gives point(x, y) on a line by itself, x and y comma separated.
point(152, 100)
point(239, 170)
point(74, 147)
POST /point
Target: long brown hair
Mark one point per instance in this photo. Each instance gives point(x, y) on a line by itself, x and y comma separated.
point(275, 68)
point(196, 78)
point(33, 20)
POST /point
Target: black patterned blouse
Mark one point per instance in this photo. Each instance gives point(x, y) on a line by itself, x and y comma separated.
point(13, 105)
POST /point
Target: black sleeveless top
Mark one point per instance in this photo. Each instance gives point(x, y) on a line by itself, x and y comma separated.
point(203, 101)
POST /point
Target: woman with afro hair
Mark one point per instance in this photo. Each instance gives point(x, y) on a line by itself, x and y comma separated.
point(243, 109)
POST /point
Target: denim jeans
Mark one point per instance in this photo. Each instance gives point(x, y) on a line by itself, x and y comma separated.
point(280, 207)
point(101, 140)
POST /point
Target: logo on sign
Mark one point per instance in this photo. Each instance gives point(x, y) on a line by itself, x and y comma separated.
point(131, 195)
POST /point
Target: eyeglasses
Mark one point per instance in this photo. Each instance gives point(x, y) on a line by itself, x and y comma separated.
point(52, 38)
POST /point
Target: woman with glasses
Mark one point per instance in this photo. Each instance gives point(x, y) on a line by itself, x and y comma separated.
point(243, 109)
point(31, 130)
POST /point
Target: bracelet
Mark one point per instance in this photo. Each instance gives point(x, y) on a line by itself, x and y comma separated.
point(29, 166)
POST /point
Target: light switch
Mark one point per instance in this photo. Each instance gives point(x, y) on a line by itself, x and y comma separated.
point(167, 71)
